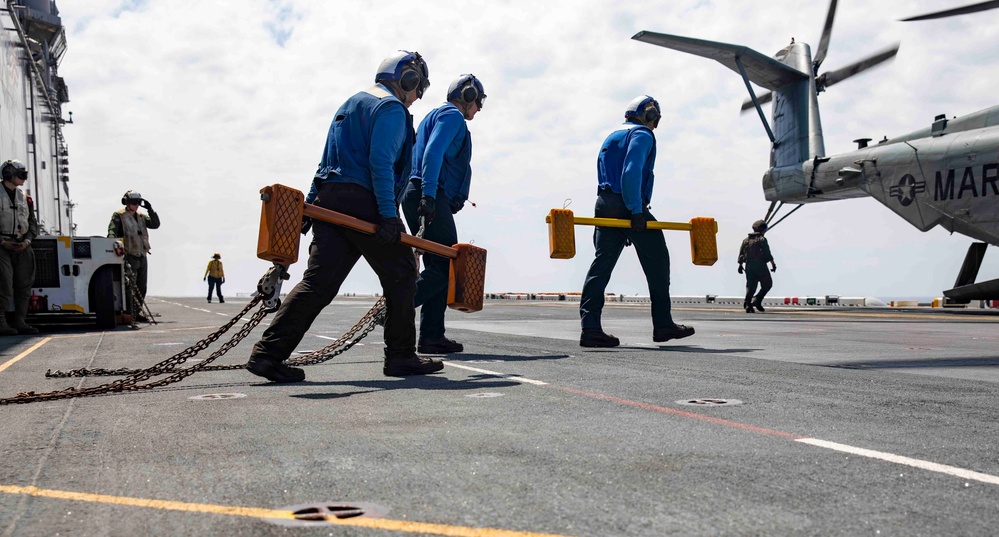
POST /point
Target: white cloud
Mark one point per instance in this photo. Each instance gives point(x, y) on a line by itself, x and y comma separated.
point(199, 104)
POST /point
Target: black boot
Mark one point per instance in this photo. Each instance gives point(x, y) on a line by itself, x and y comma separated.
point(676, 331)
point(274, 370)
point(406, 364)
point(441, 345)
point(759, 306)
point(595, 337)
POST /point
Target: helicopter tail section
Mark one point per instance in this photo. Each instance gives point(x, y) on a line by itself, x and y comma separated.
point(797, 128)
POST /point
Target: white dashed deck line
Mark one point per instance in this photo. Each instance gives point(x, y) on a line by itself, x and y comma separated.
point(514, 378)
point(899, 459)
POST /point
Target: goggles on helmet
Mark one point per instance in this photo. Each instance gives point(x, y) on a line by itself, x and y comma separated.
point(17, 169)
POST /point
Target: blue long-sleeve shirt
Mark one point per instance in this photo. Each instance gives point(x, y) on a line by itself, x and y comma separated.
point(369, 143)
point(625, 165)
point(442, 153)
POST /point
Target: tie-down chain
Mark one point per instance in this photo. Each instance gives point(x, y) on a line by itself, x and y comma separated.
point(268, 299)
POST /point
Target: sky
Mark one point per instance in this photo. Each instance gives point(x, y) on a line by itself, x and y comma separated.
point(197, 105)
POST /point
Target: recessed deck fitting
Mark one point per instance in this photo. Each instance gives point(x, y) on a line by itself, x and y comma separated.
point(709, 402)
point(215, 396)
point(320, 513)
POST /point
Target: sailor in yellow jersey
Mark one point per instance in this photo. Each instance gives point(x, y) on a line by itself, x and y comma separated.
point(215, 276)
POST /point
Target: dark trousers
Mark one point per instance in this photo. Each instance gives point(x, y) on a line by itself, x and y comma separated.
point(140, 269)
point(431, 286)
point(757, 274)
point(609, 242)
point(216, 285)
point(17, 273)
point(333, 253)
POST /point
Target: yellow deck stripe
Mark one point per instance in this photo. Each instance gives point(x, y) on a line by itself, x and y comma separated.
point(139, 502)
point(254, 512)
point(15, 359)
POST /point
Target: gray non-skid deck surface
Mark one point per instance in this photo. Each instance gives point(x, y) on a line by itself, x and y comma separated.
point(526, 431)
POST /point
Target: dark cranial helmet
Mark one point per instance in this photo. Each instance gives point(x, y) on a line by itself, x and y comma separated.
point(131, 197)
point(760, 226)
point(467, 88)
point(13, 168)
point(645, 109)
point(407, 69)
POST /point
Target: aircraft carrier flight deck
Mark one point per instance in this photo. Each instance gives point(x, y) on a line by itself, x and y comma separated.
point(816, 421)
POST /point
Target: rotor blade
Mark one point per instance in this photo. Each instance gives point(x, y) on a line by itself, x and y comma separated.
point(831, 77)
point(820, 53)
point(974, 8)
point(763, 98)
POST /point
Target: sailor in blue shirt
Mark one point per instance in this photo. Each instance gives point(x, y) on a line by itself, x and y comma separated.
point(365, 163)
point(625, 179)
point(441, 176)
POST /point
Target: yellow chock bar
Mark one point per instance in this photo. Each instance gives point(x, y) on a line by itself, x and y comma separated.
point(562, 235)
point(280, 231)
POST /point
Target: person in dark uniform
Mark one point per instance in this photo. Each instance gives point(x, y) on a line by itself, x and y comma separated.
point(132, 227)
point(18, 227)
point(365, 164)
point(755, 253)
point(625, 178)
point(438, 190)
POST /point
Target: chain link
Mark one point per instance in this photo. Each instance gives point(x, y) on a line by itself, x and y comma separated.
point(138, 302)
point(374, 317)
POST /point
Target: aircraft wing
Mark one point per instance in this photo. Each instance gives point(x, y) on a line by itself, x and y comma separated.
point(762, 70)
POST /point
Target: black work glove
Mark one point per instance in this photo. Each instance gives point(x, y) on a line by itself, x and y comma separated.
point(205, 279)
point(145, 203)
point(740, 269)
point(427, 209)
point(306, 224)
point(773, 268)
point(638, 222)
point(390, 230)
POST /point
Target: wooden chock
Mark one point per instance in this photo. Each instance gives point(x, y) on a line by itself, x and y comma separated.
point(561, 234)
point(280, 224)
point(281, 227)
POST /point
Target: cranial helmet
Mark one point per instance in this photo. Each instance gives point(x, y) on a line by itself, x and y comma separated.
point(131, 196)
point(760, 226)
point(13, 168)
point(645, 109)
point(408, 69)
point(468, 89)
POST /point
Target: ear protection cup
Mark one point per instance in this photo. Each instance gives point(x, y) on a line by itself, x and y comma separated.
point(8, 171)
point(410, 80)
point(651, 113)
point(470, 93)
